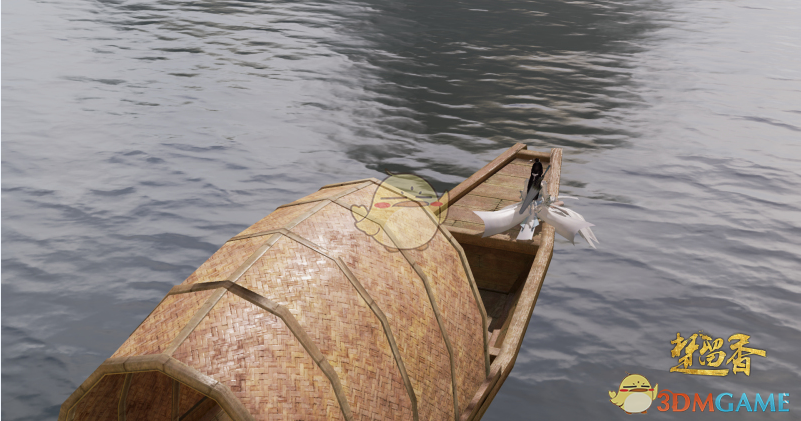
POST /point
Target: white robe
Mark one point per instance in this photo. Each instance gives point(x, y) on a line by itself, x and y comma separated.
point(565, 221)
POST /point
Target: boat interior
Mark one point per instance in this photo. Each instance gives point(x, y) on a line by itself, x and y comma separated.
point(500, 263)
point(149, 395)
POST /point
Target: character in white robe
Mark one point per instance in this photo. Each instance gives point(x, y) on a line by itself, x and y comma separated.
point(565, 221)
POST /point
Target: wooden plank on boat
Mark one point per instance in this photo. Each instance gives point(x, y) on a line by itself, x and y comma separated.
point(503, 241)
point(494, 260)
point(458, 213)
point(476, 202)
point(497, 192)
point(494, 302)
point(507, 181)
point(465, 186)
point(526, 154)
point(520, 171)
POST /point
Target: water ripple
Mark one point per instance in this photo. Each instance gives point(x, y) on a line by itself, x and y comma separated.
point(140, 135)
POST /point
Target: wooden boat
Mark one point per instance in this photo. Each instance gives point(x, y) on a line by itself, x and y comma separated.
point(304, 316)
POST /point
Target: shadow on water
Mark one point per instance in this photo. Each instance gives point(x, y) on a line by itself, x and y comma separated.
point(479, 76)
point(419, 82)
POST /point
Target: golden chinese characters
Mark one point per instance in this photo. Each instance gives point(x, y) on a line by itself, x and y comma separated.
point(710, 354)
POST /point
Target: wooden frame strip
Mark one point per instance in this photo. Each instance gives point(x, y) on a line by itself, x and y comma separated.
point(329, 198)
point(481, 394)
point(195, 406)
point(216, 296)
point(176, 400)
point(494, 337)
point(556, 168)
point(432, 299)
point(233, 277)
point(292, 235)
point(471, 280)
point(202, 286)
point(172, 368)
point(182, 289)
point(363, 180)
point(468, 236)
point(302, 217)
point(319, 199)
point(387, 331)
point(122, 406)
point(526, 154)
point(198, 317)
point(435, 308)
point(294, 326)
point(476, 294)
point(255, 234)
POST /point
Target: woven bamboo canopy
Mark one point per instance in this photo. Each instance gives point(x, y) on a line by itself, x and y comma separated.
point(304, 316)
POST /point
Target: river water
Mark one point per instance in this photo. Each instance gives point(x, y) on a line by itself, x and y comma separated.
point(138, 136)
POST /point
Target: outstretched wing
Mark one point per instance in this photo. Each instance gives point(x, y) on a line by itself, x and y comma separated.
point(501, 220)
point(566, 225)
point(586, 233)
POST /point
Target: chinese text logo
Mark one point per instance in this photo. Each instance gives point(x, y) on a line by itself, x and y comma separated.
point(711, 355)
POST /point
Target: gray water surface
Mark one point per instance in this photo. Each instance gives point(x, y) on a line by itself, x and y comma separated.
point(138, 136)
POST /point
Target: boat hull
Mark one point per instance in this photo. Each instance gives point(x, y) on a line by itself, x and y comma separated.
point(305, 315)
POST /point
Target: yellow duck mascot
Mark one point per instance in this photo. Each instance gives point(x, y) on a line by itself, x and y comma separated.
point(634, 395)
point(405, 213)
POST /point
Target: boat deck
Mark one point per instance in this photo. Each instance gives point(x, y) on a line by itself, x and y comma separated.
point(499, 190)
